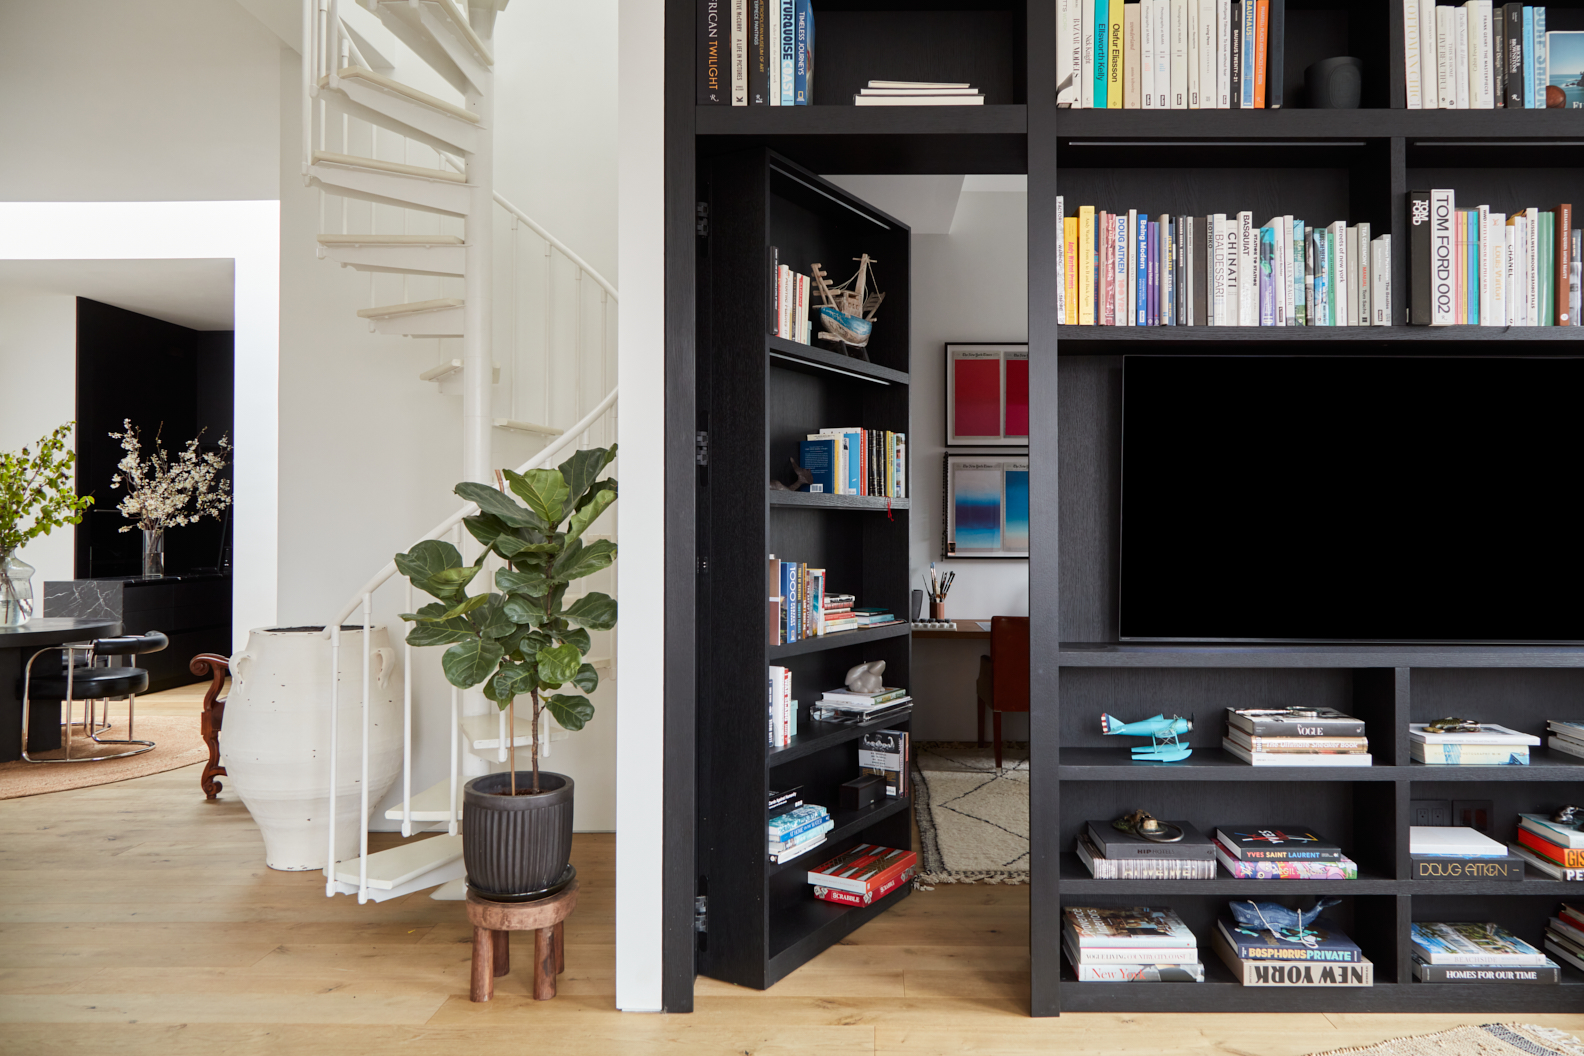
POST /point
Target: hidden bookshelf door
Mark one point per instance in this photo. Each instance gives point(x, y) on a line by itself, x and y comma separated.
point(758, 395)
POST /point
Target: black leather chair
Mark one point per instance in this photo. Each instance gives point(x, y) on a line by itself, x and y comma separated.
point(90, 682)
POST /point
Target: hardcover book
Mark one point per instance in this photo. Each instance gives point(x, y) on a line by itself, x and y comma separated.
point(1132, 926)
point(1343, 869)
point(1468, 754)
point(1569, 857)
point(1485, 973)
point(1278, 843)
point(1325, 942)
point(1555, 832)
point(1296, 758)
point(1295, 973)
point(1545, 866)
point(1471, 943)
point(862, 868)
point(1139, 973)
point(1294, 722)
point(1469, 869)
point(1116, 844)
point(1103, 868)
point(1489, 733)
point(1452, 841)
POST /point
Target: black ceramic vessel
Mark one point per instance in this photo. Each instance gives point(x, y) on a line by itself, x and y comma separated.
point(516, 843)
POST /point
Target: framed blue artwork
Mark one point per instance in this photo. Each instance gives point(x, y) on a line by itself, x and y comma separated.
point(986, 499)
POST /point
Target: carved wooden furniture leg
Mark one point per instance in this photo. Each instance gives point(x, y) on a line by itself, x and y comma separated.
point(544, 973)
point(483, 987)
point(502, 951)
point(217, 668)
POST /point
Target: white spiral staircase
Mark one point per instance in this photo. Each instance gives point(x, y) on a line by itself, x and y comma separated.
point(408, 178)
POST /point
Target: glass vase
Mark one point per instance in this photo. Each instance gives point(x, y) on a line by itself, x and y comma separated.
point(153, 553)
point(16, 590)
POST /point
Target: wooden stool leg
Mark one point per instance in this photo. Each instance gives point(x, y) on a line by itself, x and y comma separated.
point(483, 967)
point(544, 973)
point(560, 946)
point(502, 952)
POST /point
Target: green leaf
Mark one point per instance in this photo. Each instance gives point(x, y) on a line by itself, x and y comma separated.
point(586, 679)
point(581, 470)
point(493, 621)
point(593, 610)
point(570, 712)
point(439, 634)
point(512, 680)
point(467, 606)
point(430, 559)
point(452, 580)
point(486, 528)
point(558, 664)
point(587, 513)
point(533, 584)
point(584, 560)
point(469, 663)
point(543, 490)
point(522, 609)
point(579, 638)
point(492, 502)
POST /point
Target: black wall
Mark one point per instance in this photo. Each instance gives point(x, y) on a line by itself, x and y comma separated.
point(170, 381)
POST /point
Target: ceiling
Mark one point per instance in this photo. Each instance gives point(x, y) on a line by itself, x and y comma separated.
point(196, 293)
point(927, 204)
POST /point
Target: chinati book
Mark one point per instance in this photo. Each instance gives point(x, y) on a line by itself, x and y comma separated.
point(1135, 926)
point(1330, 944)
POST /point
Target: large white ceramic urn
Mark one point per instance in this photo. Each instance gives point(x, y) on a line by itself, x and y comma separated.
point(276, 738)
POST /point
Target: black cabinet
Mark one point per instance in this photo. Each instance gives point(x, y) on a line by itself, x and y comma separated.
point(194, 611)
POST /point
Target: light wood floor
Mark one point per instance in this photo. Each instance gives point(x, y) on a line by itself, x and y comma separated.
point(138, 918)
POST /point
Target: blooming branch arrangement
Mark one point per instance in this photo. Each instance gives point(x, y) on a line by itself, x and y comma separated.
point(41, 484)
point(162, 493)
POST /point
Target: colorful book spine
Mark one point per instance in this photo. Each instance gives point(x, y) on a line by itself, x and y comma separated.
point(1102, 34)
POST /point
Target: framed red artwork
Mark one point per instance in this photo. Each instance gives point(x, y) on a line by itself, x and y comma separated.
point(987, 395)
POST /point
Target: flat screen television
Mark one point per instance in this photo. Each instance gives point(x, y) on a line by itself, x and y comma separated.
point(1352, 498)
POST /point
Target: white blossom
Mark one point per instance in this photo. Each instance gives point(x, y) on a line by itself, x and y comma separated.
point(165, 494)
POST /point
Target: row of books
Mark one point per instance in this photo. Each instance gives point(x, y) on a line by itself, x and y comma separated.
point(1477, 952)
point(797, 830)
point(1476, 267)
point(1126, 269)
point(800, 606)
point(1246, 852)
point(1296, 737)
point(1566, 737)
point(849, 706)
point(1485, 56)
point(755, 52)
point(855, 461)
point(1550, 848)
point(790, 319)
point(1564, 936)
point(1170, 54)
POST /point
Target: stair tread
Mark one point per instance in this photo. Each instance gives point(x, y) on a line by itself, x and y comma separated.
point(406, 861)
point(391, 240)
point(410, 307)
point(396, 87)
point(379, 165)
point(458, 20)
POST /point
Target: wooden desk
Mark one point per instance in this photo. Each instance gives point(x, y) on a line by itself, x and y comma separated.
point(967, 630)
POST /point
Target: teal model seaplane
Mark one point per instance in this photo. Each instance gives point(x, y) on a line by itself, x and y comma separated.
point(1164, 746)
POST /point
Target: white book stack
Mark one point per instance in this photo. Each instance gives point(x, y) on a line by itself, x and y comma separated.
point(1566, 737)
point(918, 93)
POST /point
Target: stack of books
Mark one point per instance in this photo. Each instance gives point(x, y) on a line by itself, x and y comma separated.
point(798, 830)
point(1296, 737)
point(781, 710)
point(885, 754)
point(1566, 737)
point(845, 705)
point(836, 614)
point(1474, 267)
point(1323, 956)
point(1128, 269)
point(1468, 952)
point(919, 93)
point(1565, 936)
point(1111, 854)
point(1281, 852)
point(1489, 56)
point(1550, 848)
point(863, 875)
point(1133, 945)
point(853, 461)
point(1170, 54)
point(1491, 745)
point(1458, 852)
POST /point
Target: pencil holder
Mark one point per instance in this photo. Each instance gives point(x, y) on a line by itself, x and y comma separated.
point(937, 610)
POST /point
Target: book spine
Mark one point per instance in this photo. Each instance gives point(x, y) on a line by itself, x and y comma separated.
point(1460, 57)
point(1267, 281)
point(1141, 267)
point(1249, 42)
point(1529, 59)
point(737, 43)
point(1147, 54)
point(1468, 870)
point(1163, 52)
point(1193, 54)
point(1415, 96)
point(1168, 304)
point(1541, 65)
point(1512, 57)
point(1444, 57)
point(1070, 269)
point(788, 52)
point(1114, 46)
point(1086, 54)
point(1086, 269)
point(1567, 857)
point(1276, 63)
point(1208, 65)
point(1300, 292)
point(1179, 55)
point(1495, 244)
point(712, 88)
point(1261, 50)
point(1130, 305)
point(1256, 973)
point(1132, 31)
point(1487, 57)
point(1201, 271)
point(758, 55)
point(1248, 270)
point(1462, 973)
point(1223, 54)
point(1576, 276)
point(1427, 52)
point(1562, 267)
point(773, 51)
point(1069, 49)
point(1061, 259)
point(1532, 266)
point(1104, 307)
point(800, 58)
point(1351, 241)
point(1443, 263)
point(1380, 278)
point(1119, 278)
point(1498, 22)
point(1100, 32)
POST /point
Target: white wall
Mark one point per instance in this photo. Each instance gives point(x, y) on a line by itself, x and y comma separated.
point(38, 357)
point(968, 286)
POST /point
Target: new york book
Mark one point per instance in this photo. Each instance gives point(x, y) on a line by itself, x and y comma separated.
point(1325, 942)
point(1278, 843)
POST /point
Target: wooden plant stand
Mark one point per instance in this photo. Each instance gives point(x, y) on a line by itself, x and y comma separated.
point(493, 923)
point(217, 668)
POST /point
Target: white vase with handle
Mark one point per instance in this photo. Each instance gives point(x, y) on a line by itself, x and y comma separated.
point(276, 738)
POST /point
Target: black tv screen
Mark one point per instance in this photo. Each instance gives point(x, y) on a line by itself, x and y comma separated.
point(1356, 499)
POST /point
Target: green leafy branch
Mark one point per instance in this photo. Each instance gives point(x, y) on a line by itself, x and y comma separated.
point(39, 484)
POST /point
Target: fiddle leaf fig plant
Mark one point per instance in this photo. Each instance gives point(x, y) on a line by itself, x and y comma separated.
point(521, 639)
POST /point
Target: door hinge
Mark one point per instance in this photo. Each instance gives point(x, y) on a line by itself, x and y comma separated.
point(703, 564)
point(701, 219)
point(701, 449)
point(701, 914)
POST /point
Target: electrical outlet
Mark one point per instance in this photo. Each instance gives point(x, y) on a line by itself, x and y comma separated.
point(1475, 813)
point(1432, 811)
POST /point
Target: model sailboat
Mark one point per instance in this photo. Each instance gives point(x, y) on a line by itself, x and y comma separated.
point(847, 314)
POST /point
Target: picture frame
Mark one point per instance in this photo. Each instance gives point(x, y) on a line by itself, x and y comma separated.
point(985, 500)
point(987, 395)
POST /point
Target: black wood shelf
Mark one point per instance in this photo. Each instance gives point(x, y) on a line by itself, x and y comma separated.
point(1321, 340)
point(807, 500)
point(800, 931)
point(1256, 127)
point(1206, 764)
point(883, 121)
point(841, 639)
point(791, 355)
point(821, 736)
point(1165, 655)
point(1075, 879)
point(848, 823)
point(1545, 764)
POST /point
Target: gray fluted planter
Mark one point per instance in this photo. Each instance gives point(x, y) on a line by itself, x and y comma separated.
point(516, 844)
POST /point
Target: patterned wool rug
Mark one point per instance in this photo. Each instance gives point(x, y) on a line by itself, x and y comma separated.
point(1491, 1039)
point(973, 823)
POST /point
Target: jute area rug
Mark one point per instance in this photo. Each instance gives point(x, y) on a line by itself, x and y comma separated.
point(177, 743)
point(1491, 1039)
point(973, 823)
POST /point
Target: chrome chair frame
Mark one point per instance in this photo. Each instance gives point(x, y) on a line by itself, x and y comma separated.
point(71, 649)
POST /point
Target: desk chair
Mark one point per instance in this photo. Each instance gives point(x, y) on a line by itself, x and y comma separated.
point(1004, 675)
point(90, 682)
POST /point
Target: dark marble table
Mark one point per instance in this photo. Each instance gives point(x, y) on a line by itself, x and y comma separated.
point(16, 645)
point(192, 608)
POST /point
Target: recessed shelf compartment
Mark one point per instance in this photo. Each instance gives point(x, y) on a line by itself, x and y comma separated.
point(823, 735)
point(848, 823)
point(809, 925)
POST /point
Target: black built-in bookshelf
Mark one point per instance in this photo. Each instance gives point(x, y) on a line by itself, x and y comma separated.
point(1321, 165)
point(758, 397)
